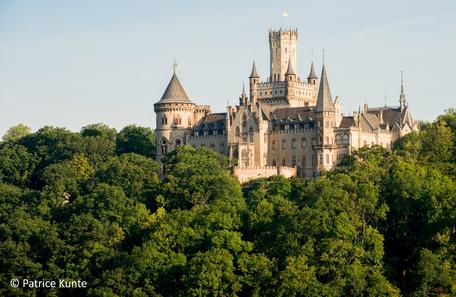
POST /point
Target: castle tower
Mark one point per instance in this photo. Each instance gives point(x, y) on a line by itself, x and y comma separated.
point(325, 114)
point(282, 45)
point(254, 80)
point(175, 117)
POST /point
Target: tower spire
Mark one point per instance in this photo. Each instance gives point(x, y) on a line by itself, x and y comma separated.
point(402, 98)
point(254, 73)
point(324, 99)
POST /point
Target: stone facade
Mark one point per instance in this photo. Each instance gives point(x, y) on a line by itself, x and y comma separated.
point(284, 125)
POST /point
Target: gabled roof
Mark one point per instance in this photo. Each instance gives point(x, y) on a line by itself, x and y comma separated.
point(174, 92)
point(324, 100)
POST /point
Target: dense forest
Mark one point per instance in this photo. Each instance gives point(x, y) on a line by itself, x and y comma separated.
point(91, 206)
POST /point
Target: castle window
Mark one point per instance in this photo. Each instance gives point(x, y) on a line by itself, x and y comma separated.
point(244, 136)
point(274, 163)
point(293, 161)
point(303, 143)
point(280, 91)
point(164, 146)
point(327, 158)
point(251, 134)
point(196, 133)
point(245, 157)
point(177, 120)
point(345, 139)
point(236, 154)
point(338, 139)
point(244, 120)
point(321, 159)
point(212, 146)
point(206, 132)
point(164, 121)
point(314, 141)
point(273, 145)
point(287, 127)
point(189, 121)
point(303, 161)
point(222, 148)
point(237, 132)
point(284, 144)
point(314, 161)
point(215, 132)
point(284, 162)
point(178, 142)
point(321, 140)
point(293, 143)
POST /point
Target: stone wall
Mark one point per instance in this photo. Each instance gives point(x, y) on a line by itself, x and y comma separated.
point(245, 174)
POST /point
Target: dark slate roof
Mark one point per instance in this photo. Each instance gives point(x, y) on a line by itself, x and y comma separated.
point(391, 115)
point(174, 92)
point(290, 68)
point(324, 100)
point(254, 73)
point(292, 113)
point(312, 74)
point(212, 121)
point(347, 122)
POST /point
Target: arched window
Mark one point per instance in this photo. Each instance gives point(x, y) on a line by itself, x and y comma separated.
point(164, 146)
point(236, 154)
point(251, 134)
point(177, 120)
point(338, 139)
point(238, 132)
point(164, 120)
point(178, 142)
point(244, 120)
point(345, 139)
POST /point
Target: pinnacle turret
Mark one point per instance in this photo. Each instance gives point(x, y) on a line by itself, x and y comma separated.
point(312, 74)
point(290, 68)
point(254, 73)
point(324, 100)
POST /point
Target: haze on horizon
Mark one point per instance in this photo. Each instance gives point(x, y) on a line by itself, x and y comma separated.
point(70, 64)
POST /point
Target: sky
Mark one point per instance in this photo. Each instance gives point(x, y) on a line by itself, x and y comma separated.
point(74, 63)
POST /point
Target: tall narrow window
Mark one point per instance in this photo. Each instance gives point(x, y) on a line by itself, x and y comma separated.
point(251, 134)
point(177, 120)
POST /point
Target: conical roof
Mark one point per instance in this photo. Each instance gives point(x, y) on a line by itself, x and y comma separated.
point(324, 100)
point(174, 91)
point(312, 74)
point(290, 68)
point(254, 73)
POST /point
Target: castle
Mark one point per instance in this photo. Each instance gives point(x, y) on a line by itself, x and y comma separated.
point(284, 125)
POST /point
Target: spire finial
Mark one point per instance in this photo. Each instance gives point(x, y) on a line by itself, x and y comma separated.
point(402, 98)
point(312, 55)
point(174, 66)
point(243, 88)
point(323, 56)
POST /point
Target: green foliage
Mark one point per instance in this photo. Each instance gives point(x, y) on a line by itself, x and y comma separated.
point(91, 206)
point(16, 132)
point(135, 139)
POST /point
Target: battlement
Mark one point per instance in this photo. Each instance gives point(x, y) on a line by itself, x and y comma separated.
point(283, 34)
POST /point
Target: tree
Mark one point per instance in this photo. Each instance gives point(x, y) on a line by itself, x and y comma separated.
point(16, 132)
point(135, 139)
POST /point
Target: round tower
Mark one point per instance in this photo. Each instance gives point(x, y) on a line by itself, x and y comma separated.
point(174, 118)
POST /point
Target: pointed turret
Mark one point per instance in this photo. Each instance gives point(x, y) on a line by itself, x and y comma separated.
point(312, 78)
point(254, 73)
point(290, 68)
point(174, 91)
point(324, 100)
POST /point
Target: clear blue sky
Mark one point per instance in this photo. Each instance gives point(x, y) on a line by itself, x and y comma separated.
point(71, 63)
